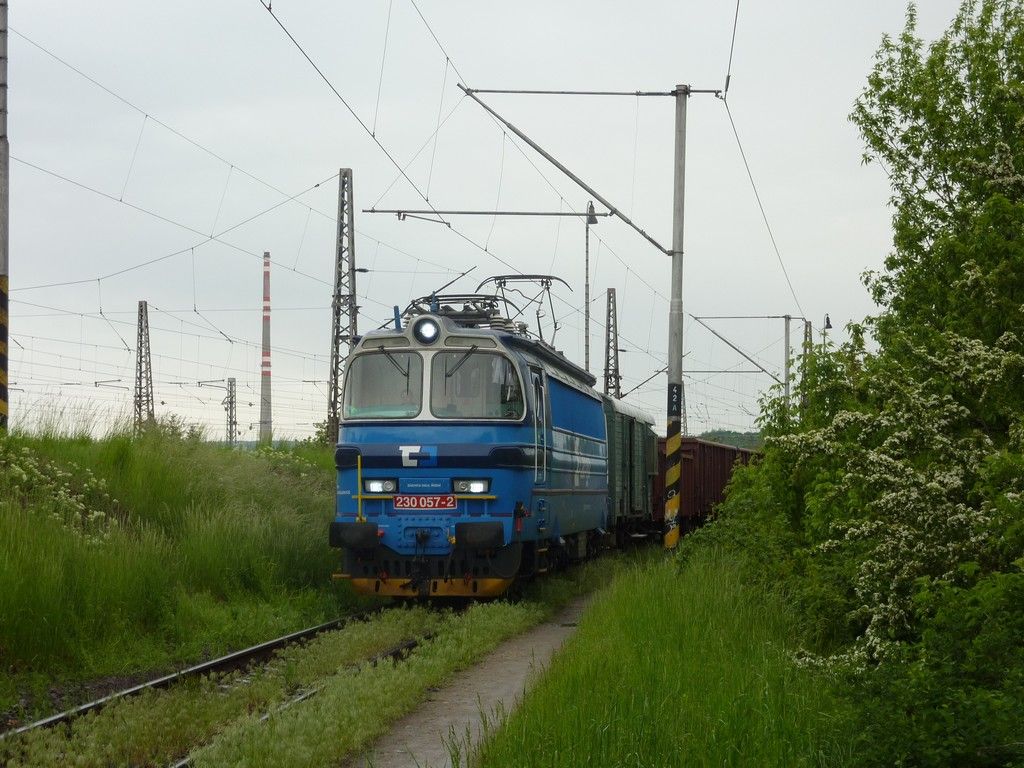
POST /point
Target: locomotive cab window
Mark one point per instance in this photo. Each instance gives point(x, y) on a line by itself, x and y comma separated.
point(474, 385)
point(384, 385)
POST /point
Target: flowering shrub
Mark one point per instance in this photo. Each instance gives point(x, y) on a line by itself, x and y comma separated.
point(889, 502)
point(68, 493)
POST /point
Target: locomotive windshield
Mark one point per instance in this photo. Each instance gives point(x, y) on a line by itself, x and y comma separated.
point(384, 385)
point(474, 385)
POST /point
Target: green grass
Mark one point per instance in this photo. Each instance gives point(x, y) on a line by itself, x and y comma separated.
point(158, 727)
point(670, 667)
point(121, 556)
point(357, 706)
point(219, 717)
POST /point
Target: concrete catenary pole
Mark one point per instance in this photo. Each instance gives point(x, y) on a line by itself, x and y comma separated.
point(787, 352)
point(673, 442)
point(5, 176)
point(266, 421)
point(586, 287)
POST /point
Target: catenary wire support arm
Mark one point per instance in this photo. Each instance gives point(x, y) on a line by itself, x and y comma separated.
point(547, 156)
point(528, 92)
point(737, 349)
point(403, 212)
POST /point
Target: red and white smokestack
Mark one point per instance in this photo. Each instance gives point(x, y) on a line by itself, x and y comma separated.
point(266, 423)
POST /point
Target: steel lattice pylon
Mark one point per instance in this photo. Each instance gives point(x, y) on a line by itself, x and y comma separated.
point(230, 403)
point(143, 372)
point(612, 379)
point(344, 309)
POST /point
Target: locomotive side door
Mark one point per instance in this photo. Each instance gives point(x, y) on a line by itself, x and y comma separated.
point(540, 426)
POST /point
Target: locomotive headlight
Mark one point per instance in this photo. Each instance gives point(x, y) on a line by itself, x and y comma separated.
point(379, 486)
point(472, 486)
point(426, 330)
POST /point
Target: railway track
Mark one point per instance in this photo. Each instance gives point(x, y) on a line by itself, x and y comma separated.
point(226, 663)
point(183, 753)
point(396, 653)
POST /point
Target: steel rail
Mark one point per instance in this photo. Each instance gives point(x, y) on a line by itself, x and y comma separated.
point(396, 653)
point(229, 661)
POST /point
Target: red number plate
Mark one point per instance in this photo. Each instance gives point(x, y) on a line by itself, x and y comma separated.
point(425, 502)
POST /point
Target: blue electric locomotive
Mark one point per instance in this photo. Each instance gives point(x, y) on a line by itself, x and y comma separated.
point(469, 455)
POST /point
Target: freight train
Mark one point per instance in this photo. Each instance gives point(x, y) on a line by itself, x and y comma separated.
point(471, 454)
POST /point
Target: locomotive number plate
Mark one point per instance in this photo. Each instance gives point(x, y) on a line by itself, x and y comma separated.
point(425, 502)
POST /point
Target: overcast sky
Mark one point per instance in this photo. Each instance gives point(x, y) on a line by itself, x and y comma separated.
point(261, 126)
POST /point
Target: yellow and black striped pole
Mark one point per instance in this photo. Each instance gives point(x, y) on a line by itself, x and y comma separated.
point(5, 175)
point(673, 469)
point(673, 433)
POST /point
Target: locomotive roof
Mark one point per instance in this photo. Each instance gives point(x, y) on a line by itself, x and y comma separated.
point(539, 349)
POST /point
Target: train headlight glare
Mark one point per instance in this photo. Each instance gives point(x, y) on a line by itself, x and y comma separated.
point(426, 331)
point(478, 486)
point(379, 486)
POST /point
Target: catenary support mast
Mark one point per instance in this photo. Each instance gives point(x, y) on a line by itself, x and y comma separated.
point(266, 413)
point(231, 411)
point(5, 176)
point(673, 443)
point(612, 377)
point(344, 310)
point(143, 400)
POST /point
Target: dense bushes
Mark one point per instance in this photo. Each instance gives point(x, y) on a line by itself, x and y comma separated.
point(890, 505)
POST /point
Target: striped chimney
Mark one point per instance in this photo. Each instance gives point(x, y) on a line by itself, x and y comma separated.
point(266, 423)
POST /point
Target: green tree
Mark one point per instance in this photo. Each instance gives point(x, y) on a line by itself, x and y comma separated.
point(892, 510)
point(946, 122)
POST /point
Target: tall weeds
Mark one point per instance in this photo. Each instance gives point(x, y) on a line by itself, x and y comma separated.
point(120, 555)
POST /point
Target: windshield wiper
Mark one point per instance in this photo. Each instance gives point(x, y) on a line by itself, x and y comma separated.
point(462, 360)
point(391, 359)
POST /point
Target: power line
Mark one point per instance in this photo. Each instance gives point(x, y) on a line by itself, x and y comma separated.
point(760, 205)
point(146, 114)
point(200, 146)
point(732, 47)
point(383, 57)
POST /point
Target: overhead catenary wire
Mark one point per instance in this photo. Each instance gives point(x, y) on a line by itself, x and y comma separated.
point(207, 238)
point(743, 156)
point(732, 49)
point(721, 93)
point(434, 138)
point(760, 205)
point(437, 128)
point(135, 154)
point(130, 104)
point(383, 57)
point(233, 167)
point(512, 139)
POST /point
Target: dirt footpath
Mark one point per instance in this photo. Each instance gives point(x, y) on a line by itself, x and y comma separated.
point(495, 684)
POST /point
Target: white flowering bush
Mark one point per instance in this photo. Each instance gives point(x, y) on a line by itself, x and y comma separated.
point(888, 502)
point(897, 486)
point(70, 494)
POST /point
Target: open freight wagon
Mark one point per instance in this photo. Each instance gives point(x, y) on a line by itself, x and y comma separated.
point(706, 470)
